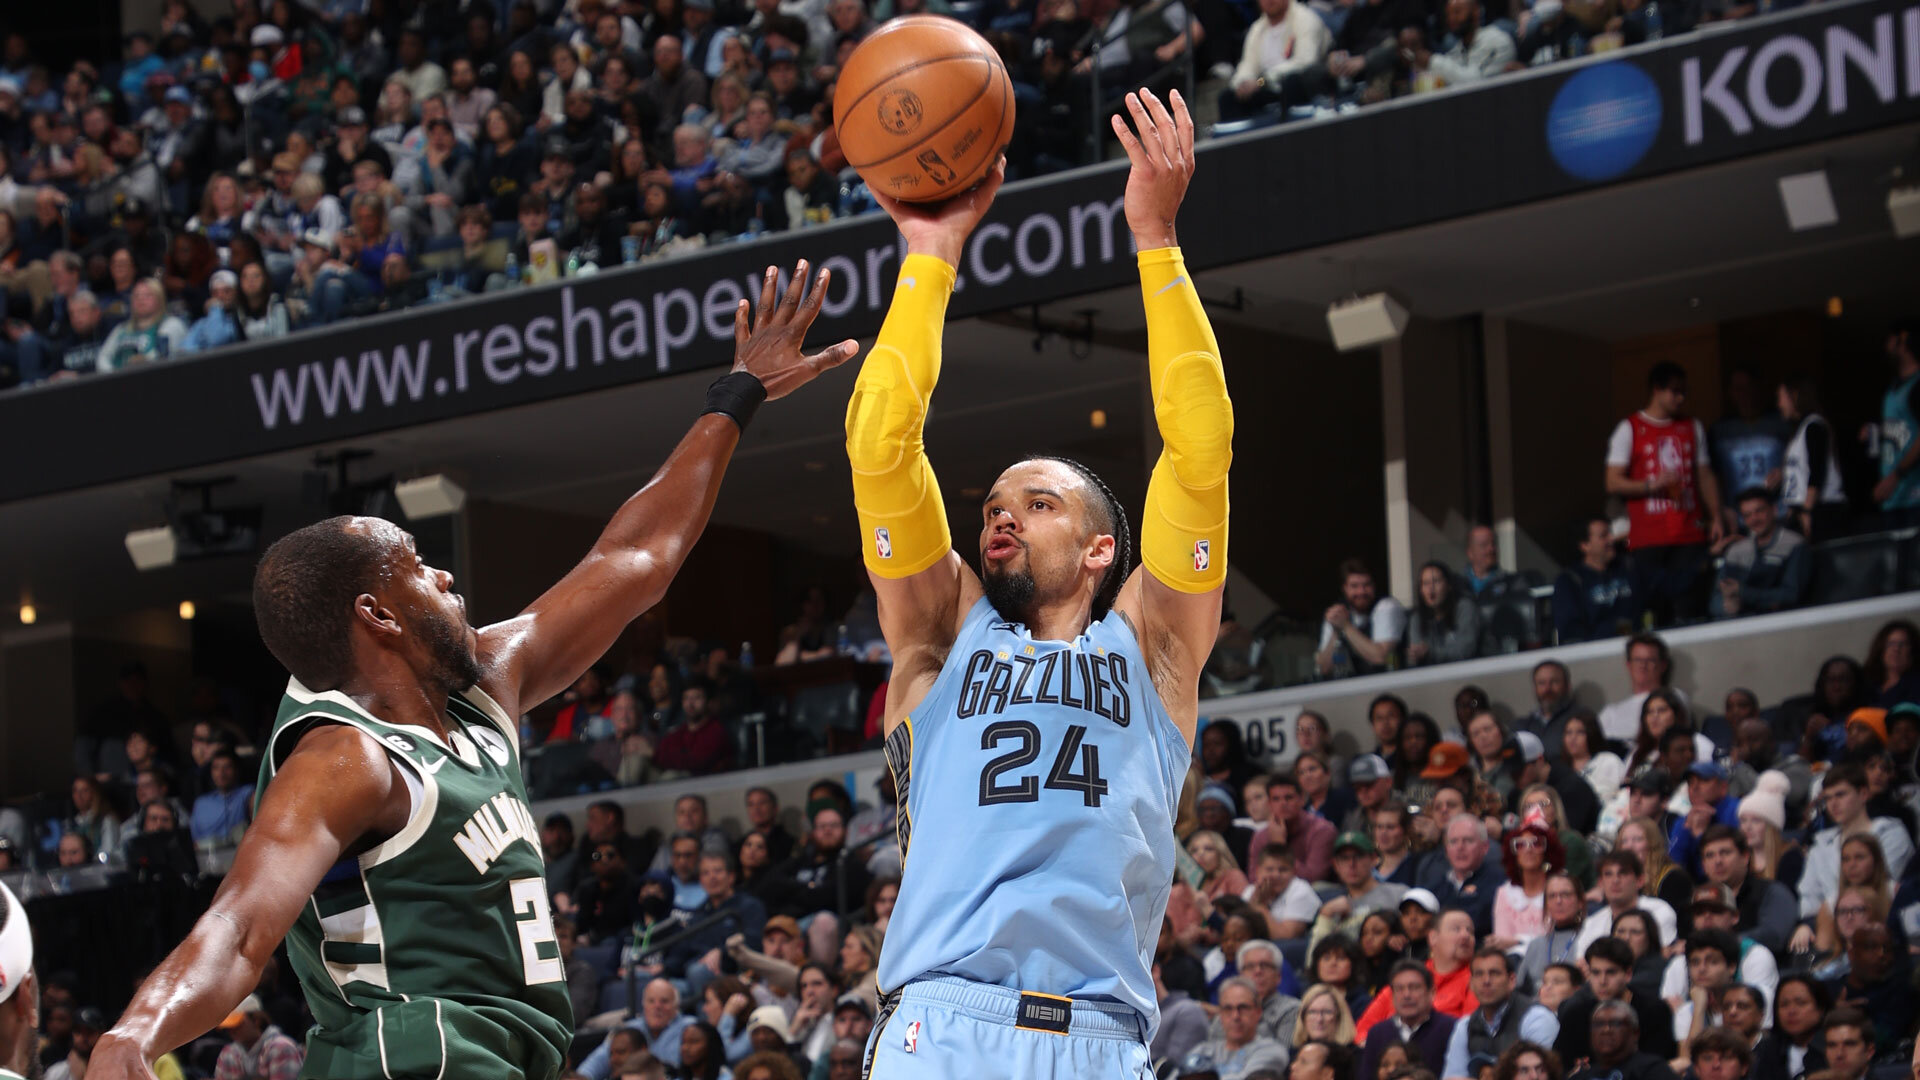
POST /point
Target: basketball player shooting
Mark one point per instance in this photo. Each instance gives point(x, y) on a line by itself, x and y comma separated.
point(1041, 714)
point(391, 843)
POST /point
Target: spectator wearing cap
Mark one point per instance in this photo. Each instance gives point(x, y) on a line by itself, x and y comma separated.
point(767, 1033)
point(1578, 800)
point(1708, 805)
point(260, 1050)
point(1308, 836)
point(1370, 779)
point(1844, 793)
point(325, 287)
point(217, 327)
point(89, 1023)
point(1715, 910)
point(1648, 796)
point(1355, 858)
point(352, 144)
point(704, 40)
point(1361, 633)
point(1240, 1047)
point(1447, 763)
point(555, 187)
point(1214, 809)
point(1418, 910)
point(1464, 877)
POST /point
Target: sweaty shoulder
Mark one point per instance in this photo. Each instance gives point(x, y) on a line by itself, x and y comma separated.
point(343, 778)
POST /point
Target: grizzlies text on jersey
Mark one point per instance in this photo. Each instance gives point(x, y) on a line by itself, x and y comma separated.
point(433, 955)
point(1038, 783)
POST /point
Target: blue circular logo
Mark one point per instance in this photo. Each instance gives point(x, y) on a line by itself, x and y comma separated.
point(1603, 121)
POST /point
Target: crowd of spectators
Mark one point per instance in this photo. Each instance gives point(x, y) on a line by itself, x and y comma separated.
point(295, 162)
point(1671, 549)
point(1649, 888)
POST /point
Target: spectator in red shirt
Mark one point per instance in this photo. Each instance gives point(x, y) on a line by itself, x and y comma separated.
point(1657, 461)
point(1308, 836)
point(700, 744)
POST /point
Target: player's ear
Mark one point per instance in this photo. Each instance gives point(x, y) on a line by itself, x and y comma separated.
point(1103, 551)
point(374, 615)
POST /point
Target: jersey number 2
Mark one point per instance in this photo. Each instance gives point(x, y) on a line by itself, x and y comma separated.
point(1061, 777)
point(535, 920)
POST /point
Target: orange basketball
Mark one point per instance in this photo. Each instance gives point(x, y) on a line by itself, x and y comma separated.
point(923, 108)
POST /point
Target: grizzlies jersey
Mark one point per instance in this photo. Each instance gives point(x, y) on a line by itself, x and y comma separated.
point(1037, 783)
point(432, 955)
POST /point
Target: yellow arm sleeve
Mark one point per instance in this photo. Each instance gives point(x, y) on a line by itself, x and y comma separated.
point(1183, 535)
point(903, 522)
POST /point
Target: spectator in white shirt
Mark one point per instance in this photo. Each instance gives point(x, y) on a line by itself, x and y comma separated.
point(1845, 795)
point(1474, 52)
point(1362, 632)
point(1648, 665)
point(1288, 40)
point(1290, 904)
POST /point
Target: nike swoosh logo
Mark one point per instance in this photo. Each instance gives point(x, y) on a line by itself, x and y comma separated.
point(1181, 280)
point(909, 282)
point(435, 767)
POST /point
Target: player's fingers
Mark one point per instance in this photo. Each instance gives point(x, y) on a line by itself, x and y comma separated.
point(768, 284)
point(1163, 127)
point(1143, 123)
point(815, 297)
point(795, 290)
point(741, 328)
point(1135, 156)
point(1183, 119)
point(833, 355)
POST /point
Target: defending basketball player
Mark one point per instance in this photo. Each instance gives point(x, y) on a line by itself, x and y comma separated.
point(19, 992)
point(391, 844)
point(1041, 714)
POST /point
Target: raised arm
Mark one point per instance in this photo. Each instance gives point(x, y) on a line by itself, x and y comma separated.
point(923, 586)
point(336, 792)
point(1174, 598)
point(540, 652)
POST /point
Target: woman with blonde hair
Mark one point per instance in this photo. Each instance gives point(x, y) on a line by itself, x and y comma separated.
point(1221, 874)
point(1763, 820)
point(1665, 879)
point(149, 334)
point(1324, 1017)
point(1863, 869)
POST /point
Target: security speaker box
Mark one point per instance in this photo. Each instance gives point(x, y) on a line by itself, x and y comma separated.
point(152, 548)
point(1903, 206)
point(1366, 321)
point(430, 496)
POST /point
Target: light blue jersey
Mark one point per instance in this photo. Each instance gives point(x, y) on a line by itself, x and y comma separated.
point(1898, 428)
point(1038, 784)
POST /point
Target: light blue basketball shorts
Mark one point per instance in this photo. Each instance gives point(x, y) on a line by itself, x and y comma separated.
point(946, 1028)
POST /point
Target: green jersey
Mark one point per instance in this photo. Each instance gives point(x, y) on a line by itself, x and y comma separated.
point(432, 956)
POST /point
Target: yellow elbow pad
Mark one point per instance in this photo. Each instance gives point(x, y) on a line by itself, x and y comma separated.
point(903, 520)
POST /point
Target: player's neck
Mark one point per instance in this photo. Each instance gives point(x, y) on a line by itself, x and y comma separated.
point(400, 701)
point(1061, 620)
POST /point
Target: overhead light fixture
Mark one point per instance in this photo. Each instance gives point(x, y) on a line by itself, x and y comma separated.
point(1365, 321)
point(1098, 419)
point(153, 548)
point(430, 496)
point(1903, 206)
point(1808, 199)
point(186, 610)
point(28, 616)
point(1834, 307)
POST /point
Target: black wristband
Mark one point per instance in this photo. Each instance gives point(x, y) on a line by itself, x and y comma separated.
point(735, 396)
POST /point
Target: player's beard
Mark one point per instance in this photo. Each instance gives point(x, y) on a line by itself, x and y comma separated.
point(455, 667)
point(1010, 592)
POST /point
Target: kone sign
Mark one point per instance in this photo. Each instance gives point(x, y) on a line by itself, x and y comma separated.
point(1781, 82)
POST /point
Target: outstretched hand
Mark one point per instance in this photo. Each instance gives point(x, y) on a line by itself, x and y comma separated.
point(1162, 158)
point(941, 229)
point(768, 346)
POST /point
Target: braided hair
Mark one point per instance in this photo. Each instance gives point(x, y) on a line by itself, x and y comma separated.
point(1115, 524)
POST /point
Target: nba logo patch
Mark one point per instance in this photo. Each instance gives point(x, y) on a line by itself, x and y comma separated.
point(882, 544)
point(1202, 555)
point(912, 1041)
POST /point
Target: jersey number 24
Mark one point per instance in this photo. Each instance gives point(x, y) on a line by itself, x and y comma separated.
point(1062, 777)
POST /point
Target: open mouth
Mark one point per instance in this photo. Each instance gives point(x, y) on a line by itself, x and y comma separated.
point(1003, 546)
